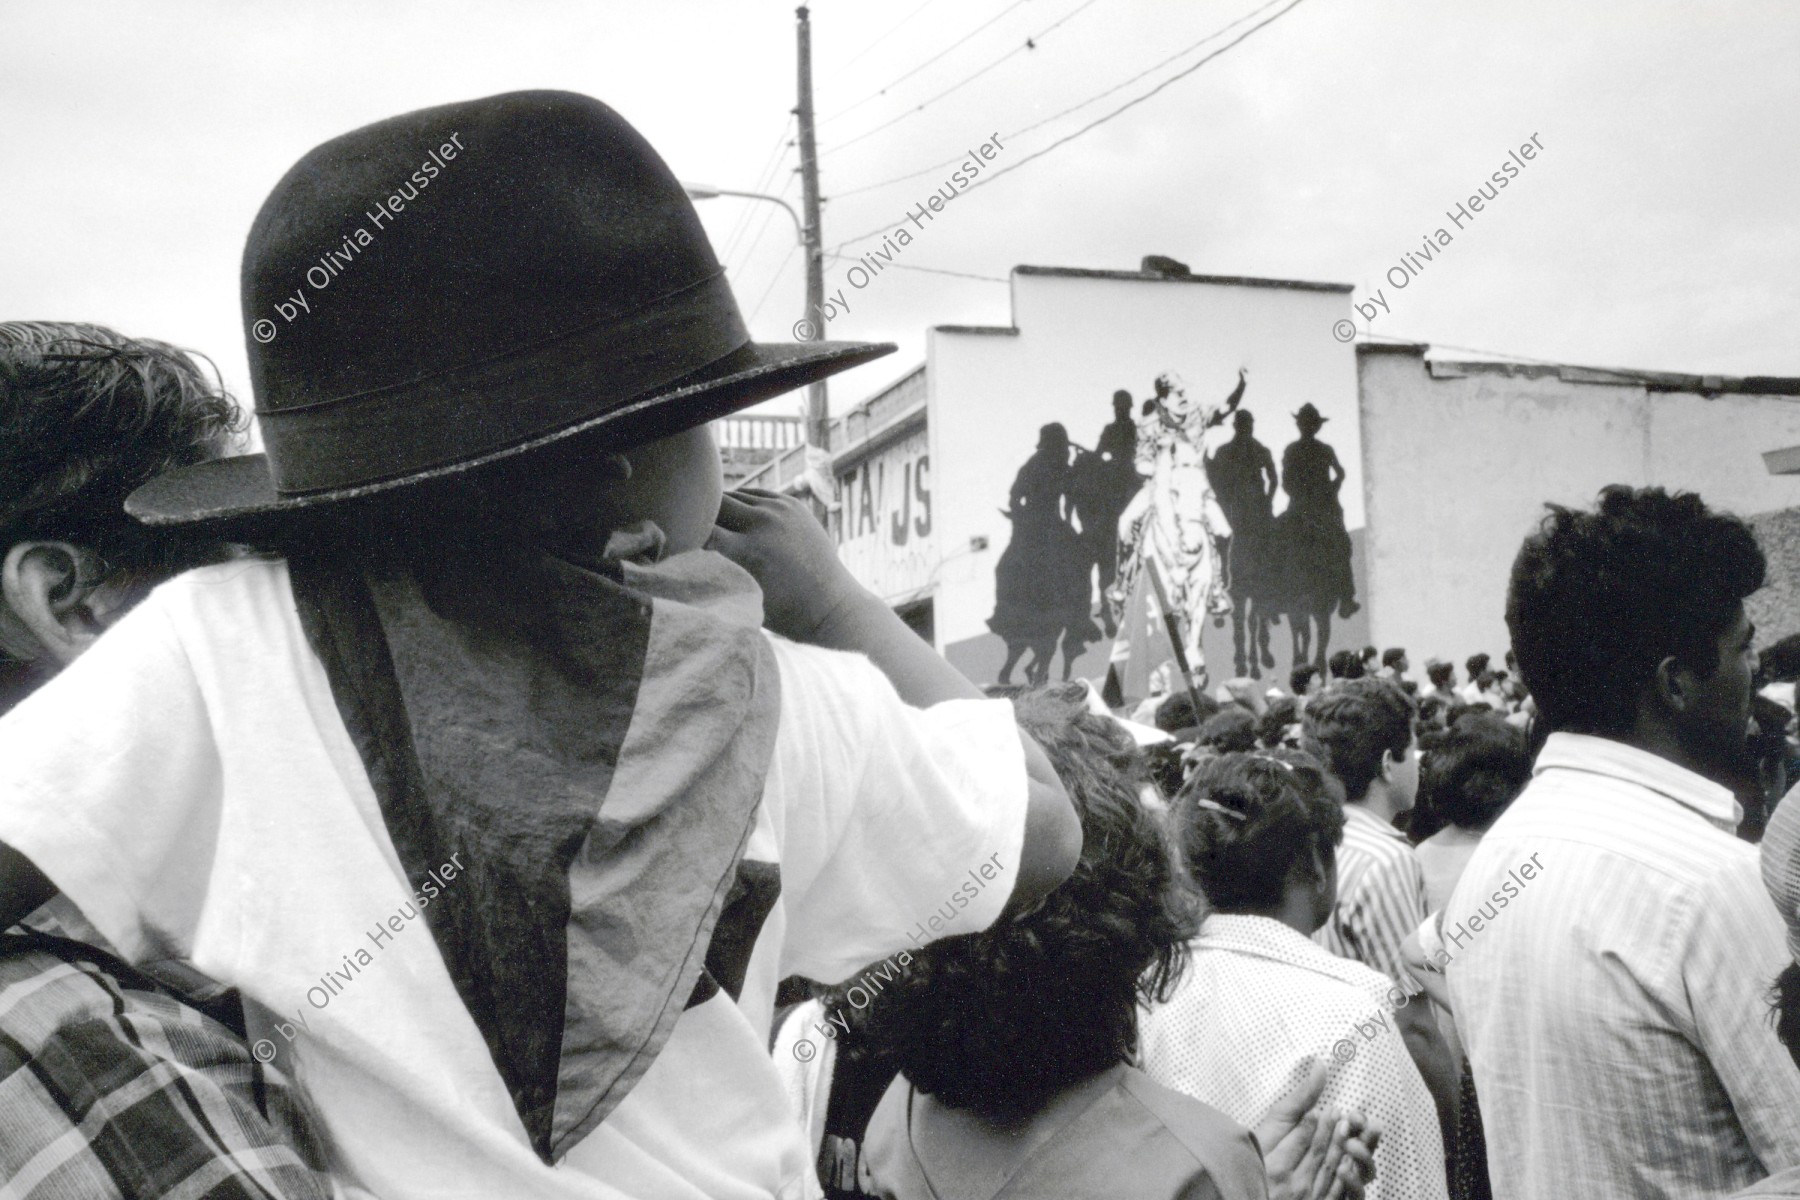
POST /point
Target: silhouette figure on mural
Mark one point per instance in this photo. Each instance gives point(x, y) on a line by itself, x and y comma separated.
point(1042, 590)
point(1244, 480)
point(1174, 520)
point(1105, 481)
point(1315, 545)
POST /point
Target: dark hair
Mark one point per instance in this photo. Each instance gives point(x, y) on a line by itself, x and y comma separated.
point(999, 1022)
point(1231, 730)
point(1280, 813)
point(1369, 653)
point(1275, 721)
point(1597, 600)
point(1786, 1000)
point(1781, 661)
point(1431, 713)
point(1476, 664)
point(1177, 713)
point(1301, 677)
point(1392, 655)
point(1477, 768)
point(1350, 727)
point(1345, 664)
point(1440, 674)
point(88, 415)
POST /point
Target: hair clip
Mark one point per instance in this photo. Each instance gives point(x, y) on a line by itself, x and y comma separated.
point(1284, 765)
point(1211, 805)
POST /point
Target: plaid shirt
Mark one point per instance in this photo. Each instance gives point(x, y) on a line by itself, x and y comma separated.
point(111, 1087)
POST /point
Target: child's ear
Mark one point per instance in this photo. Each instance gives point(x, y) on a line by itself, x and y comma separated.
point(46, 589)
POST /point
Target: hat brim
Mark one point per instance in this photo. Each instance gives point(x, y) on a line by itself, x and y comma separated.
point(237, 495)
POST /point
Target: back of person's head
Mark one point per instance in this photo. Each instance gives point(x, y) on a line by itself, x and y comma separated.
point(1432, 710)
point(1781, 661)
point(1178, 713)
point(1231, 730)
point(1278, 817)
point(1351, 727)
point(1001, 1021)
point(1441, 674)
point(1476, 664)
point(1393, 656)
point(1345, 664)
point(1281, 716)
point(86, 416)
point(1475, 769)
point(1301, 678)
point(1598, 600)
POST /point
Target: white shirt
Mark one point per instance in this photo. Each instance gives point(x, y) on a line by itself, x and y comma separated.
point(189, 784)
point(1615, 1005)
point(1258, 1005)
point(1381, 894)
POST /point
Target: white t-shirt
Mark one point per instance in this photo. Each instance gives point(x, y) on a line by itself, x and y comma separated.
point(189, 784)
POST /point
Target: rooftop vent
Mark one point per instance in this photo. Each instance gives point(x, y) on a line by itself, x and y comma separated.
point(1162, 264)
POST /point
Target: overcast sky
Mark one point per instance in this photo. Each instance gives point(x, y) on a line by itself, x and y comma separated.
point(1652, 231)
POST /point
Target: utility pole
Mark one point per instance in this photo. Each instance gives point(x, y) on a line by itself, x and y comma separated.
point(818, 410)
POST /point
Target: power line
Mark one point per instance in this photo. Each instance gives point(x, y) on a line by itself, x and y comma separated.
point(1030, 43)
point(947, 49)
point(1098, 96)
point(1095, 124)
point(890, 33)
point(768, 215)
point(772, 282)
point(763, 177)
point(926, 270)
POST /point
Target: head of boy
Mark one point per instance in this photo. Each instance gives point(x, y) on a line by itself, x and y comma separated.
point(1441, 674)
point(86, 415)
point(1363, 732)
point(1258, 834)
point(1476, 664)
point(1000, 1022)
point(1231, 730)
point(1304, 680)
point(1475, 769)
point(1345, 664)
point(1629, 623)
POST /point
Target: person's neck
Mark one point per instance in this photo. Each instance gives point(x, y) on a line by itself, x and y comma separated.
point(1660, 739)
point(1296, 911)
point(1380, 802)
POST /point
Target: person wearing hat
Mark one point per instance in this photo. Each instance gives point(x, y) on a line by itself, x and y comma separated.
point(1042, 590)
point(1312, 476)
point(483, 784)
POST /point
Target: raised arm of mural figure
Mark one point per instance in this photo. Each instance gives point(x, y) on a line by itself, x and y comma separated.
point(808, 596)
point(1231, 402)
point(22, 887)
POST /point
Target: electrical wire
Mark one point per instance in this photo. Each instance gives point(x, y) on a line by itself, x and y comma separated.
point(902, 79)
point(926, 270)
point(857, 57)
point(1095, 124)
point(1095, 98)
point(763, 178)
point(1030, 43)
point(777, 279)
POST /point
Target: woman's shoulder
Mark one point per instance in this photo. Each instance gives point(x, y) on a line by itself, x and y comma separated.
point(1223, 1148)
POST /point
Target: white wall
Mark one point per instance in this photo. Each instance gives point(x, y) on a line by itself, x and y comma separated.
point(1078, 339)
point(1459, 470)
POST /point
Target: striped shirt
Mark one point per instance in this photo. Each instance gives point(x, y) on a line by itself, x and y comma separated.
point(1615, 1009)
point(1258, 1006)
point(1381, 894)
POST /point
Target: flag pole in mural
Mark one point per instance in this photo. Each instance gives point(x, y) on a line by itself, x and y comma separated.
point(1173, 621)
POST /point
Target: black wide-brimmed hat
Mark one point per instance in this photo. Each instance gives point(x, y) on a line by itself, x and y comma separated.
point(458, 285)
point(1309, 415)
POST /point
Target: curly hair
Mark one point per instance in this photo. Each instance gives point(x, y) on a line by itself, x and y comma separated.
point(1784, 998)
point(1598, 599)
point(1230, 730)
point(1278, 813)
point(86, 416)
point(1276, 719)
point(1474, 770)
point(1353, 725)
point(1001, 1021)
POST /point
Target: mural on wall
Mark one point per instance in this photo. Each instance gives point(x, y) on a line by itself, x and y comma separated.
point(1103, 538)
point(884, 528)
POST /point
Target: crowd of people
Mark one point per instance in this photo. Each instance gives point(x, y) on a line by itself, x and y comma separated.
point(465, 798)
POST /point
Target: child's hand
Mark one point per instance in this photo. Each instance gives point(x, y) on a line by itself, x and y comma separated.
point(778, 540)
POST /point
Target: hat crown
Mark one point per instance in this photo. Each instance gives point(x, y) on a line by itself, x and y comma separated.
point(440, 253)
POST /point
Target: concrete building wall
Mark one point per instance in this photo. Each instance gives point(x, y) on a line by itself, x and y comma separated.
point(1460, 459)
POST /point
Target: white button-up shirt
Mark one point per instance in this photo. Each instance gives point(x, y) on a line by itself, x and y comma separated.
point(1615, 1007)
point(1258, 1005)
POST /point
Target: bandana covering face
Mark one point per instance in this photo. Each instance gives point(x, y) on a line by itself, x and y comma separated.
point(594, 754)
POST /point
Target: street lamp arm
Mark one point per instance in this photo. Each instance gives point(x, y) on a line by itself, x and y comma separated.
point(697, 191)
